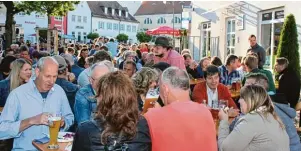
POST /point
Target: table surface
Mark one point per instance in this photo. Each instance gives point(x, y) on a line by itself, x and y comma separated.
point(1, 109)
point(195, 81)
point(43, 147)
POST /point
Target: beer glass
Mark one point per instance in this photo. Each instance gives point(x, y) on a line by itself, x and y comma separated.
point(54, 123)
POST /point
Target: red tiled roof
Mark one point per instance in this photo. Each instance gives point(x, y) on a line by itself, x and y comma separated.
point(158, 7)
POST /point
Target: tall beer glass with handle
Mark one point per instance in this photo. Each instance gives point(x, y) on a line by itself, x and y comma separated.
point(54, 122)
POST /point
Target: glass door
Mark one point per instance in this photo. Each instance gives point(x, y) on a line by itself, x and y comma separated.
point(205, 41)
point(230, 36)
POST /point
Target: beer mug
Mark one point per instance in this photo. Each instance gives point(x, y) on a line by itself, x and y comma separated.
point(54, 123)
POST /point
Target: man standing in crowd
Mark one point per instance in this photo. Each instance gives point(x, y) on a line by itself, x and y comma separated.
point(85, 102)
point(129, 68)
point(75, 69)
point(26, 112)
point(20, 42)
point(228, 72)
point(251, 64)
point(83, 78)
point(165, 53)
point(289, 82)
point(112, 46)
point(256, 48)
point(181, 124)
point(93, 51)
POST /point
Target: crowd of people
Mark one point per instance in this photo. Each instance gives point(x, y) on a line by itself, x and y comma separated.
point(101, 90)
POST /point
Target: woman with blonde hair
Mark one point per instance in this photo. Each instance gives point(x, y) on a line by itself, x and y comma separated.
point(259, 129)
point(117, 124)
point(20, 74)
point(145, 80)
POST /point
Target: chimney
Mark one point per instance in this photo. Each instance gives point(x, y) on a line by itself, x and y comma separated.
point(113, 11)
point(106, 10)
point(126, 14)
point(119, 12)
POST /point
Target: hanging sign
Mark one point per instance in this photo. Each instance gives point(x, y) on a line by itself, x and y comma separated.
point(240, 22)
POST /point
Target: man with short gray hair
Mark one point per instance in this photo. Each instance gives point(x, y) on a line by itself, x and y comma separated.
point(85, 103)
point(180, 112)
point(28, 107)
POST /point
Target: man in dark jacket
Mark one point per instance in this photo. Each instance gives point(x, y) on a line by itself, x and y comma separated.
point(289, 81)
point(254, 47)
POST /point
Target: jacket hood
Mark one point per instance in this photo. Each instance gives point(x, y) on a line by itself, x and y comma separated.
point(286, 109)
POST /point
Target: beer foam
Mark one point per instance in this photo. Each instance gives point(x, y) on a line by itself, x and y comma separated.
point(54, 118)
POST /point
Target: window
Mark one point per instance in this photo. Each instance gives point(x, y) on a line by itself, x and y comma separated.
point(58, 18)
point(85, 19)
point(79, 36)
point(115, 26)
point(177, 20)
point(102, 25)
point(73, 33)
point(73, 18)
point(122, 27)
point(133, 28)
point(99, 25)
point(148, 21)
point(128, 28)
point(161, 20)
point(109, 25)
point(79, 19)
point(230, 36)
point(110, 11)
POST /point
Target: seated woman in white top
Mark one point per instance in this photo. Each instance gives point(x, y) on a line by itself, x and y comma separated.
point(259, 130)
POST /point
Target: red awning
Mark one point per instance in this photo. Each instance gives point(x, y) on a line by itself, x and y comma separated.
point(163, 30)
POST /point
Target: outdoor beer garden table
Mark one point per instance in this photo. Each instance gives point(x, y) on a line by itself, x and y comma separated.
point(43, 147)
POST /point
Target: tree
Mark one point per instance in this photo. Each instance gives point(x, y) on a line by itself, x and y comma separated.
point(12, 8)
point(122, 38)
point(143, 37)
point(288, 44)
point(51, 8)
point(92, 36)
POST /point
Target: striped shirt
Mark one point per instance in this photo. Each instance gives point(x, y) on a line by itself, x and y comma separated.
point(227, 78)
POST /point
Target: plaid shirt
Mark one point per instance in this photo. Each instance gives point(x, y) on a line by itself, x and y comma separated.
point(228, 79)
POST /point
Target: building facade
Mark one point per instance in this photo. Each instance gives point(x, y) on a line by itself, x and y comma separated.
point(79, 22)
point(60, 23)
point(224, 27)
point(110, 19)
point(153, 14)
point(25, 24)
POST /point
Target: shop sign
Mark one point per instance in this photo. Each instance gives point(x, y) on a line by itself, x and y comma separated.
point(29, 22)
point(79, 27)
point(267, 16)
point(240, 22)
point(279, 14)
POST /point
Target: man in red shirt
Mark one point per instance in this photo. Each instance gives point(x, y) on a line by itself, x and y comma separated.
point(164, 53)
point(181, 125)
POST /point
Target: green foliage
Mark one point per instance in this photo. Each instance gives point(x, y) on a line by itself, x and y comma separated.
point(143, 37)
point(122, 38)
point(288, 44)
point(92, 36)
point(51, 8)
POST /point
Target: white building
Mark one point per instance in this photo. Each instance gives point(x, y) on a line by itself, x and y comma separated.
point(109, 19)
point(224, 27)
point(25, 24)
point(153, 14)
point(79, 22)
point(131, 5)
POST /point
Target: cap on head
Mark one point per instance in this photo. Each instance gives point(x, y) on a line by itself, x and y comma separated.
point(61, 61)
point(162, 41)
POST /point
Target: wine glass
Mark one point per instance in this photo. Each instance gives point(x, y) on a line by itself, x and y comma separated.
point(223, 104)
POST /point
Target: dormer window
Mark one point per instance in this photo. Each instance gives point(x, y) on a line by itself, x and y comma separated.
point(123, 13)
point(110, 11)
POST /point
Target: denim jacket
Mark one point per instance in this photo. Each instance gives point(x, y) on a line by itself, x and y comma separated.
point(4, 91)
point(26, 101)
point(69, 88)
point(85, 104)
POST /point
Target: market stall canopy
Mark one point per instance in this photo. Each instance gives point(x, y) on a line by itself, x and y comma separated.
point(163, 30)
